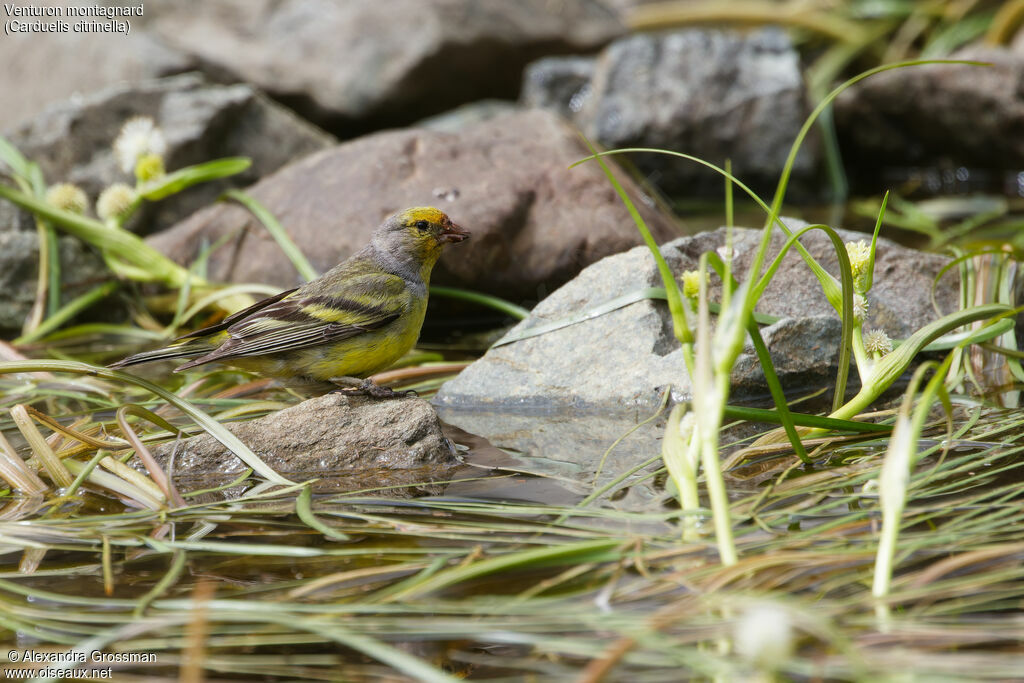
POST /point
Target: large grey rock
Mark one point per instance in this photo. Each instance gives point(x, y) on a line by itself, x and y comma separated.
point(352, 66)
point(714, 94)
point(326, 436)
point(72, 141)
point(950, 127)
point(622, 360)
point(45, 69)
point(358, 66)
point(535, 222)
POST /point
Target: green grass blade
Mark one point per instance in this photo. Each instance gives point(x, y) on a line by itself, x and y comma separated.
point(116, 484)
point(175, 182)
point(870, 272)
point(497, 303)
point(824, 20)
point(805, 420)
point(681, 326)
point(304, 510)
point(828, 283)
point(85, 472)
point(950, 341)
point(775, 387)
point(10, 155)
point(169, 578)
point(230, 292)
point(277, 231)
point(569, 553)
point(68, 311)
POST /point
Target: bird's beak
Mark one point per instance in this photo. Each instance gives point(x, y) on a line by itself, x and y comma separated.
point(453, 233)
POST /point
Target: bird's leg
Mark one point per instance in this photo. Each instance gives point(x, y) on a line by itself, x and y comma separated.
point(353, 386)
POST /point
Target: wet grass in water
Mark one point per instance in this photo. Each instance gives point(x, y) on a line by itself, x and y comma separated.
point(497, 589)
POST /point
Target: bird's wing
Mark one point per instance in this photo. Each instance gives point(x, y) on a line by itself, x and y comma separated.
point(198, 342)
point(298, 320)
point(227, 322)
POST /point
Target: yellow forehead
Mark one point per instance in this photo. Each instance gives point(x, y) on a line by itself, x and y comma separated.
point(423, 213)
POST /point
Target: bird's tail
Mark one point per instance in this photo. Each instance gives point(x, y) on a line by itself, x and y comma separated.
point(186, 348)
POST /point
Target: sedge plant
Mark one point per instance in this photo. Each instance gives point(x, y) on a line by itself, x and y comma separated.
point(139, 148)
point(710, 360)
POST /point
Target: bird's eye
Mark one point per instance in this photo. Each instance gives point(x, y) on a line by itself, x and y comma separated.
point(422, 225)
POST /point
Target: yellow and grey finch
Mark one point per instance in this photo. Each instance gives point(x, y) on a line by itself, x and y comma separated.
point(356, 319)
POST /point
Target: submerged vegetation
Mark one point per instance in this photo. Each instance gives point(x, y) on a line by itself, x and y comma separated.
point(272, 582)
point(884, 540)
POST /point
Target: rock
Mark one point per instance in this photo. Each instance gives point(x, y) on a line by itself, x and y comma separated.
point(714, 94)
point(425, 56)
point(949, 127)
point(44, 69)
point(458, 119)
point(327, 436)
point(805, 353)
point(535, 222)
point(570, 450)
point(72, 141)
point(620, 361)
point(559, 84)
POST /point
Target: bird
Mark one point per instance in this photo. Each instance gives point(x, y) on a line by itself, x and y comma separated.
point(354, 320)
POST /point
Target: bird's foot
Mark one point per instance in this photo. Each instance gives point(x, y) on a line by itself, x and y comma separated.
point(370, 388)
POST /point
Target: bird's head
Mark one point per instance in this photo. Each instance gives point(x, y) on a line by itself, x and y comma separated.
point(418, 234)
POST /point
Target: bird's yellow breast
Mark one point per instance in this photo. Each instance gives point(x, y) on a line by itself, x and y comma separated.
point(358, 356)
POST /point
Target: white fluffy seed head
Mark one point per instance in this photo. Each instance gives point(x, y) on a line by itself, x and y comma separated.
point(860, 307)
point(139, 136)
point(763, 635)
point(67, 197)
point(115, 201)
point(877, 342)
